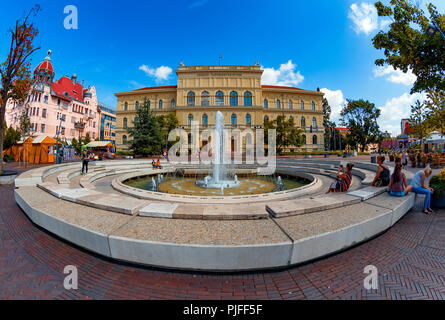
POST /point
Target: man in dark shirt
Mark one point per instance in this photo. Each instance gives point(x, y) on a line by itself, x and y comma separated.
point(85, 161)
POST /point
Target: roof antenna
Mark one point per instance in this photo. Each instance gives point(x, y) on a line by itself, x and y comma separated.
point(219, 59)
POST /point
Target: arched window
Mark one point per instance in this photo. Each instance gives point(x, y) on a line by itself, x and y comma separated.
point(172, 103)
point(291, 118)
point(302, 122)
point(302, 105)
point(304, 139)
point(125, 122)
point(314, 139)
point(248, 119)
point(266, 104)
point(125, 106)
point(233, 119)
point(313, 105)
point(314, 122)
point(291, 106)
point(278, 104)
point(266, 118)
point(205, 119)
point(191, 99)
point(247, 99)
point(124, 139)
point(136, 120)
point(205, 99)
point(219, 100)
point(160, 104)
point(136, 105)
point(148, 104)
point(190, 119)
point(233, 99)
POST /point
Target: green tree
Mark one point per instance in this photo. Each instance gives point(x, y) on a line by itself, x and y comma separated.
point(146, 133)
point(166, 124)
point(24, 123)
point(15, 70)
point(11, 137)
point(87, 138)
point(407, 46)
point(435, 110)
point(360, 117)
point(327, 124)
point(417, 120)
point(288, 134)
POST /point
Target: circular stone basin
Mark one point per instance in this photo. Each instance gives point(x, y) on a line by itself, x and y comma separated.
point(187, 185)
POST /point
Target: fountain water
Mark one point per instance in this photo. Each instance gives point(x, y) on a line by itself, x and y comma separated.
point(153, 183)
point(219, 178)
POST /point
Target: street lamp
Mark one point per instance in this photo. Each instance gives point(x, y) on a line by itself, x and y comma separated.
point(432, 29)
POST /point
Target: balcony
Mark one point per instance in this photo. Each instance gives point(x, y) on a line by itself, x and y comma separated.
point(79, 125)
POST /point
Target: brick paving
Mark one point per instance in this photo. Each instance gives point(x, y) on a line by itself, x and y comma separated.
point(410, 258)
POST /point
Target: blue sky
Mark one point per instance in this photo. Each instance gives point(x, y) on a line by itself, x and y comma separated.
point(124, 45)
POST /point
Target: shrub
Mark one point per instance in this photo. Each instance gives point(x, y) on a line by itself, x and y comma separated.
point(438, 183)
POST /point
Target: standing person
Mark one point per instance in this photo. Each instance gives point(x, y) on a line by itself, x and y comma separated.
point(404, 159)
point(85, 161)
point(382, 176)
point(419, 187)
point(344, 179)
point(398, 187)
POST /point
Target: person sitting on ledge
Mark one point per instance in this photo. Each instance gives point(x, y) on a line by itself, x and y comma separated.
point(158, 164)
point(381, 178)
point(398, 187)
point(419, 187)
point(153, 164)
point(344, 179)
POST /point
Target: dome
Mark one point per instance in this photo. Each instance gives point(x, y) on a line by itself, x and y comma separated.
point(45, 66)
point(88, 93)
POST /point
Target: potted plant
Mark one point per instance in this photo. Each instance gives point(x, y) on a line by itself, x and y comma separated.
point(437, 182)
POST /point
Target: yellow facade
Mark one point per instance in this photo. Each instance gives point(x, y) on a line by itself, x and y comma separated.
point(236, 91)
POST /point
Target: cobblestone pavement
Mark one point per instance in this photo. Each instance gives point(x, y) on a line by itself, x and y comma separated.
point(410, 258)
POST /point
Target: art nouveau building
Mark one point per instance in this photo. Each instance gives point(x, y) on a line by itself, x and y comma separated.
point(63, 108)
point(236, 91)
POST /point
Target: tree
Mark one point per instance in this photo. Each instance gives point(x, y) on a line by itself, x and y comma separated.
point(87, 138)
point(417, 120)
point(435, 110)
point(288, 134)
point(15, 70)
point(327, 124)
point(360, 117)
point(11, 137)
point(146, 133)
point(166, 124)
point(24, 123)
point(407, 46)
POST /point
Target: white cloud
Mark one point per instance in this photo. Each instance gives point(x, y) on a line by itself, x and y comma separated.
point(395, 109)
point(160, 74)
point(395, 75)
point(365, 18)
point(284, 76)
point(336, 100)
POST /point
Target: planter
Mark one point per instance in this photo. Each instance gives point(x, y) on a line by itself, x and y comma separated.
point(8, 177)
point(438, 200)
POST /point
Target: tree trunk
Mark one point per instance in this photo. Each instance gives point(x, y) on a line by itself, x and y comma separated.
point(2, 132)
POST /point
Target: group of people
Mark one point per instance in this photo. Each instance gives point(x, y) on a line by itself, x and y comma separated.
point(397, 185)
point(156, 164)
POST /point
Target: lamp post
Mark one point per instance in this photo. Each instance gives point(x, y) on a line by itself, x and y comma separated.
point(432, 29)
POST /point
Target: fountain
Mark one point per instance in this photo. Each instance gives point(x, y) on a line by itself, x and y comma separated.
point(153, 183)
point(219, 178)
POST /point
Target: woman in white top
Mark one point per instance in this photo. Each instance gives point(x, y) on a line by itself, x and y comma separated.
point(419, 187)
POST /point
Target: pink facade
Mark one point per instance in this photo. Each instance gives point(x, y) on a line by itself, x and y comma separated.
point(62, 107)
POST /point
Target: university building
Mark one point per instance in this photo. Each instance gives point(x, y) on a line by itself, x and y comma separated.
point(236, 91)
point(64, 108)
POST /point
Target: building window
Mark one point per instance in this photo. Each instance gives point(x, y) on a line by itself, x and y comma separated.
point(191, 99)
point(190, 119)
point(205, 99)
point(124, 139)
point(303, 122)
point(136, 105)
point(45, 99)
point(278, 104)
point(172, 103)
point(247, 99)
point(314, 139)
point(136, 120)
point(42, 128)
point(313, 105)
point(291, 118)
point(125, 122)
point(160, 104)
point(248, 119)
point(233, 120)
point(126, 106)
point(266, 104)
point(205, 119)
point(314, 122)
point(233, 99)
point(219, 101)
point(302, 105)
point(304, 139)
point(266, 118)
point(291, 106)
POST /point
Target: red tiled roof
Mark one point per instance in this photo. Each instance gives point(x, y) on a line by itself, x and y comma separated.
point(279, 87)
point(155, 88)
point(342, 129)
point(65, 84)
point(45, 65)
